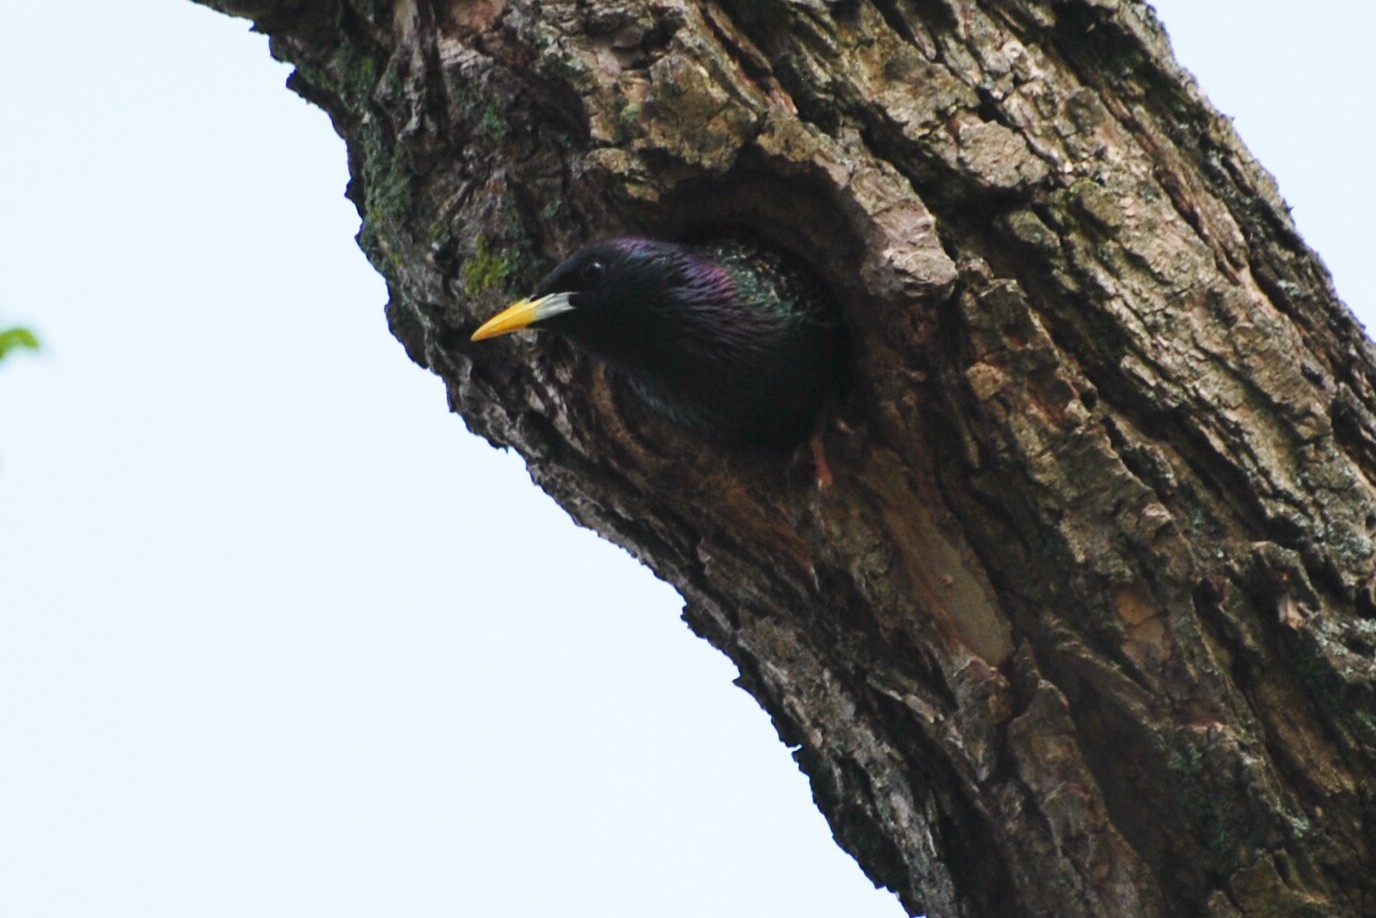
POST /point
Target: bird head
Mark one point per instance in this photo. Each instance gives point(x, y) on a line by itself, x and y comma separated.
point(605, 284)
point(613, 293)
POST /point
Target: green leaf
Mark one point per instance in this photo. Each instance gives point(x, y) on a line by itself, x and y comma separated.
point(15, 338)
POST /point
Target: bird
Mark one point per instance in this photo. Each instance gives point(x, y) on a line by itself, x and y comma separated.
point(726, 339)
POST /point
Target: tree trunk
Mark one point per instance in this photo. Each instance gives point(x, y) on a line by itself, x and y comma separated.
point(1086, 624)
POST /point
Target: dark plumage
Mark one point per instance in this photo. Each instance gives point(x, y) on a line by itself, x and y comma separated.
point(721, 338)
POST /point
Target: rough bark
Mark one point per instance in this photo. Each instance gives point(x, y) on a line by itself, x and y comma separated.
point(1086, 625)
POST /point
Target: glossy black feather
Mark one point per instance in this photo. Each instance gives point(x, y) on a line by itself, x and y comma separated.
point(724, 339)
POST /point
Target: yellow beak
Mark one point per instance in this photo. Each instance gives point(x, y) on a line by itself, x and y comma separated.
point(523, 314)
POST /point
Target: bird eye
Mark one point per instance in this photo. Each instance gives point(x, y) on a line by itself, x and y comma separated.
point(592, 272)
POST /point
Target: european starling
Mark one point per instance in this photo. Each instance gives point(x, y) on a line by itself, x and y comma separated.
point(722, 339)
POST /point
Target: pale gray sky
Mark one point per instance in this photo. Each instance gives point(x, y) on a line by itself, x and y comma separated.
point(266, 645)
